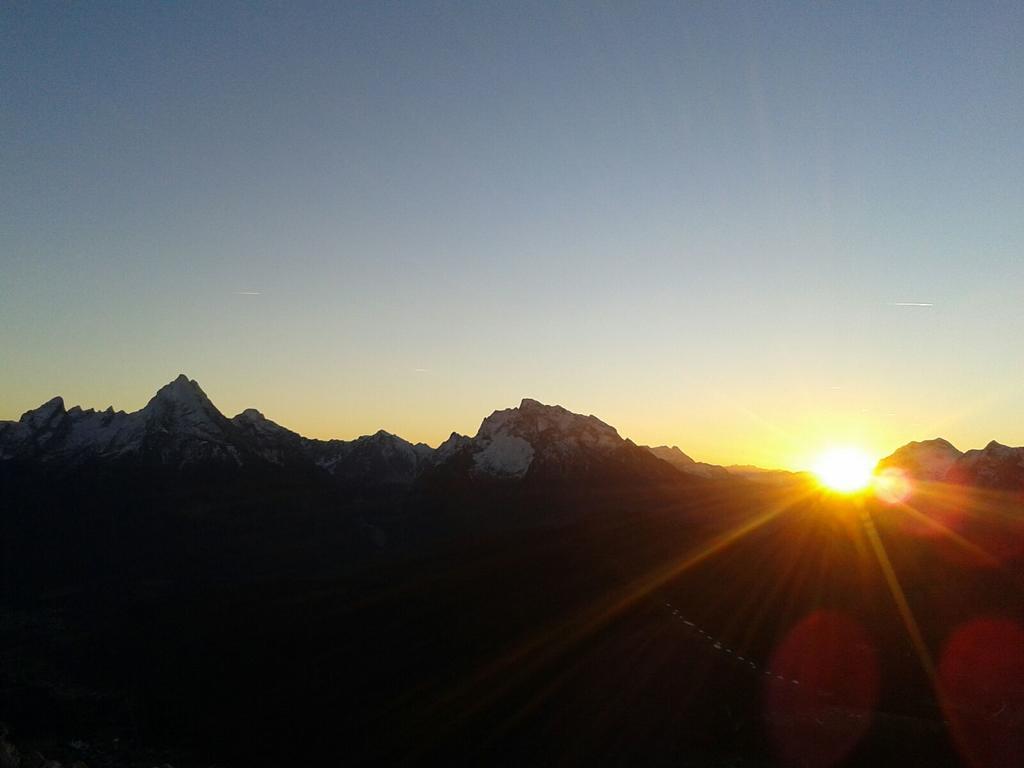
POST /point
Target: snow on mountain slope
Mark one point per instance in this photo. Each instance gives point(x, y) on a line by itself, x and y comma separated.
point(995, 466)
point(924, 460)
point(550, 442)
point(259, 426)
point(182, 406)
point(51, 433)
point(269, 439)
point(380, 458)
point(503, 456)
point(508, 440)
point(181, 427)
point(450, 447)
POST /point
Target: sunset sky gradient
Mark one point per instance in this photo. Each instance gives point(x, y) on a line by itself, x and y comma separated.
point(711, 225)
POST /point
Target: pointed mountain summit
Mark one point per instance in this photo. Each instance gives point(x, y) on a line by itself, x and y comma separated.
point(178, 426)
point(44, 414)
point(34, 430)
point(182, 407)
point(181, 389)
point(182, 427)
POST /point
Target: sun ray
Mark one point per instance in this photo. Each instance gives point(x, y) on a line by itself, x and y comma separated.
point(950, 534)
point(553, 641)
point(900, 598)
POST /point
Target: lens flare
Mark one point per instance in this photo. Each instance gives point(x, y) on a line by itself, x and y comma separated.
point(982, 682)
point(817, 723)
point(893, 486)
point(844, 469)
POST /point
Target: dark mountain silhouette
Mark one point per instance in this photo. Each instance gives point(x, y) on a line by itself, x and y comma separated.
point(762, 475)
point(685, 464)
point(542, 592)
point(546, 444)
point(180, 427)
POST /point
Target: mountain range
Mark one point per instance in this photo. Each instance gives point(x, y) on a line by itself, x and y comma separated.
point(181, 428)
point(226, 584)
point(994, 466)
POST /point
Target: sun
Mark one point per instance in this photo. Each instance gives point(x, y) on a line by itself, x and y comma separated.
point(844, 469)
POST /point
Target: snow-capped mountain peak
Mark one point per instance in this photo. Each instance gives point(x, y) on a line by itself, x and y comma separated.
point(534, 419)
point(546, 439)
point(182, 394)
point(181, 421)
point(508, 440)
point(925, 459)
point(996, 465)
point(180, 427)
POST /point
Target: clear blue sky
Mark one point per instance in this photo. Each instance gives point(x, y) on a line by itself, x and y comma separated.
point(693, 220)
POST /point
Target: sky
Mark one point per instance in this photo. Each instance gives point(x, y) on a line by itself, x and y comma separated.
point(709, 224)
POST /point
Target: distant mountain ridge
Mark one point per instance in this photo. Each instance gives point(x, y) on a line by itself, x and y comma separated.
point(938, 460)
point(685, 464)
point(181, 428)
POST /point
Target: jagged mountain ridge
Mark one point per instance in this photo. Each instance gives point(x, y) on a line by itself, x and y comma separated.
point(674, 456)
point(938, 460)
point(180, 427)
point(547, 443)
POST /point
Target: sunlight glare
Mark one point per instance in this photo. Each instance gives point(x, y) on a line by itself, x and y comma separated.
point(844, 469)
point(892, 485)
